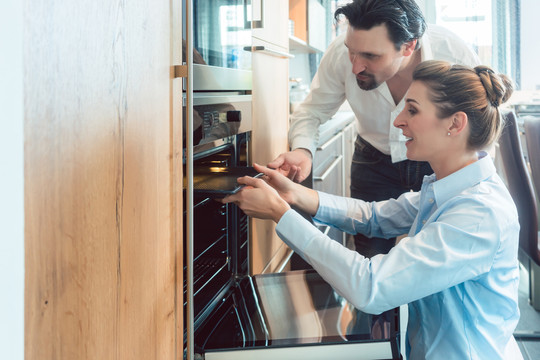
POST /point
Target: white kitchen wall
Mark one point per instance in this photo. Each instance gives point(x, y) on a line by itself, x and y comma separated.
point(530, 51)
point(12, 181)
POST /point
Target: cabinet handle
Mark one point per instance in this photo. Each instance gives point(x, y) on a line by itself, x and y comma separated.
point(326, 230)
point(329, 142)
point(285, 261)
point(180, 71)
point(276, 53)
point(258, 21)
point(329, 170)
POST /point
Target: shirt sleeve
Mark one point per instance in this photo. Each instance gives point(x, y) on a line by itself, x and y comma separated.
point(326, 95)
point(383, 219)
point(459, 246)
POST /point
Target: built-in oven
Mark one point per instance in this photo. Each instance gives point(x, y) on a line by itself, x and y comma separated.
point(289, 315)
point(229, 314)
point(221, 33)
point(293, 314)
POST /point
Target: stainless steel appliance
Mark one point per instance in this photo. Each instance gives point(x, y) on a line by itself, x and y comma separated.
point(294, 314)
point(221, 29)
point(229, 314)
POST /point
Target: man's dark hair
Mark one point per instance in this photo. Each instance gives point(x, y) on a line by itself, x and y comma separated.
point(403, 18)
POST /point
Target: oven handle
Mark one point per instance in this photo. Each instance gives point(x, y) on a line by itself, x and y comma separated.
point(281, 266)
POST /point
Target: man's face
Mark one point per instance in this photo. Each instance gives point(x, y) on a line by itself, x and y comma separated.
point(373, 56)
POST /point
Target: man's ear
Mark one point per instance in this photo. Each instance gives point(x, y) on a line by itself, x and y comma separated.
point(408, 47)
point(458, 123)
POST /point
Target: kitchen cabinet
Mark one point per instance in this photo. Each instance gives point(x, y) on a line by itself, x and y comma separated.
point(103, 162)
point(309, 19)
point(273, 29)
point(332, 161)
point(270, 122)
point(349, 138)
point(298, 15)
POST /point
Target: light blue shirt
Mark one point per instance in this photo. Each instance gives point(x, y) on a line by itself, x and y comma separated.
point(457, 268)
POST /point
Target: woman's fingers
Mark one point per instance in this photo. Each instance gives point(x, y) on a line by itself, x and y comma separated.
point(250, 181)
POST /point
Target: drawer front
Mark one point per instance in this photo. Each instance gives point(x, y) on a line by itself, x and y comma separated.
point(328, 166)
point(330, 149)
point(328, 175)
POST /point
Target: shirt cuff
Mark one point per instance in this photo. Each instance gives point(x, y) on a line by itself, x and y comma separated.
point(331, 207)
point(304, 143)
point(296, 231)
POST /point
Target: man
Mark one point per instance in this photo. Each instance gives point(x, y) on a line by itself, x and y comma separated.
point(371, 66)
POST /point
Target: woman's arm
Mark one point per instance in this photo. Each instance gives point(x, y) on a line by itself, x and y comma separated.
point(270, 197)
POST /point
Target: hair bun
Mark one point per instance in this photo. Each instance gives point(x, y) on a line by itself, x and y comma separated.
point(498, 87)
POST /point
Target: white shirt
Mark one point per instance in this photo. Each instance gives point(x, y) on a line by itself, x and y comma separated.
point(375, 110)
point(457, 268)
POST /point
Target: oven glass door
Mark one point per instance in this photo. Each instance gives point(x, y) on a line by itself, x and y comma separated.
point(295, 314)
point(222, 28)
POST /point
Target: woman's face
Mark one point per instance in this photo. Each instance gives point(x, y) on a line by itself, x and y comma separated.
point(427, 135)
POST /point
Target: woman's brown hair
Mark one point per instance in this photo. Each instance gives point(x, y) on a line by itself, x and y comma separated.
point(477, 92)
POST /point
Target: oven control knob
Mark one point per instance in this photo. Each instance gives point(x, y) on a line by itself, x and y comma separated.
point(234, 116)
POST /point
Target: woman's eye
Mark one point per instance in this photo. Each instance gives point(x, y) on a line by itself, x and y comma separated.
point(412, 110)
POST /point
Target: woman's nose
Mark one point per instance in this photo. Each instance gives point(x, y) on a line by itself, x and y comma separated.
point(399, 120)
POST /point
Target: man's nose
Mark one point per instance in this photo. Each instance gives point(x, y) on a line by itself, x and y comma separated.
point(357, 64)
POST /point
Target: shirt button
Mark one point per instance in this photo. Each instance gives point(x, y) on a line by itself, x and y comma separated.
point(431, 201)
point(424, 222)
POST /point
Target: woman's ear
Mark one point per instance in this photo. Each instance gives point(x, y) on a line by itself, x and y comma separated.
point(458, 123)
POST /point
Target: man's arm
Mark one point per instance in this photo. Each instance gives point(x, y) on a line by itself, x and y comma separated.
point(326, 95)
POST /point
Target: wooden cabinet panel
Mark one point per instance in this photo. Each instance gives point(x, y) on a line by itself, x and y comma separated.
point(275, 24)
point(270, 127)
point(298, 14)
point(99, 206)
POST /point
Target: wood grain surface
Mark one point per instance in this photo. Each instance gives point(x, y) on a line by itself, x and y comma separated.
point(101, 167)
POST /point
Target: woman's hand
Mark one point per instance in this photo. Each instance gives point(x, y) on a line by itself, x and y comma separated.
point(259, 199)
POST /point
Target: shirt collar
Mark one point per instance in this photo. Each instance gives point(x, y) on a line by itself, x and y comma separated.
point(453, 184)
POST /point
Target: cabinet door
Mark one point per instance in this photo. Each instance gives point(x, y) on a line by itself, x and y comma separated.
point(349, 138)
point(328, 174)
point(275, 15)
point(269, 139)
point(99, 232)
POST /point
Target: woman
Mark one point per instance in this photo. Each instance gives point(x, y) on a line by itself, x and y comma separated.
point(457, 269)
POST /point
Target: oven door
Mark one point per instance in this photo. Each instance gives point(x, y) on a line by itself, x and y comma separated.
point(221, 30)
point(295, 315)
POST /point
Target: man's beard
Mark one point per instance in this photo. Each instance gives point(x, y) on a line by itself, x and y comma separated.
point(368, 84)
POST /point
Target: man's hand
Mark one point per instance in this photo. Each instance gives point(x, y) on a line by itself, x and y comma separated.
point(296, 164)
